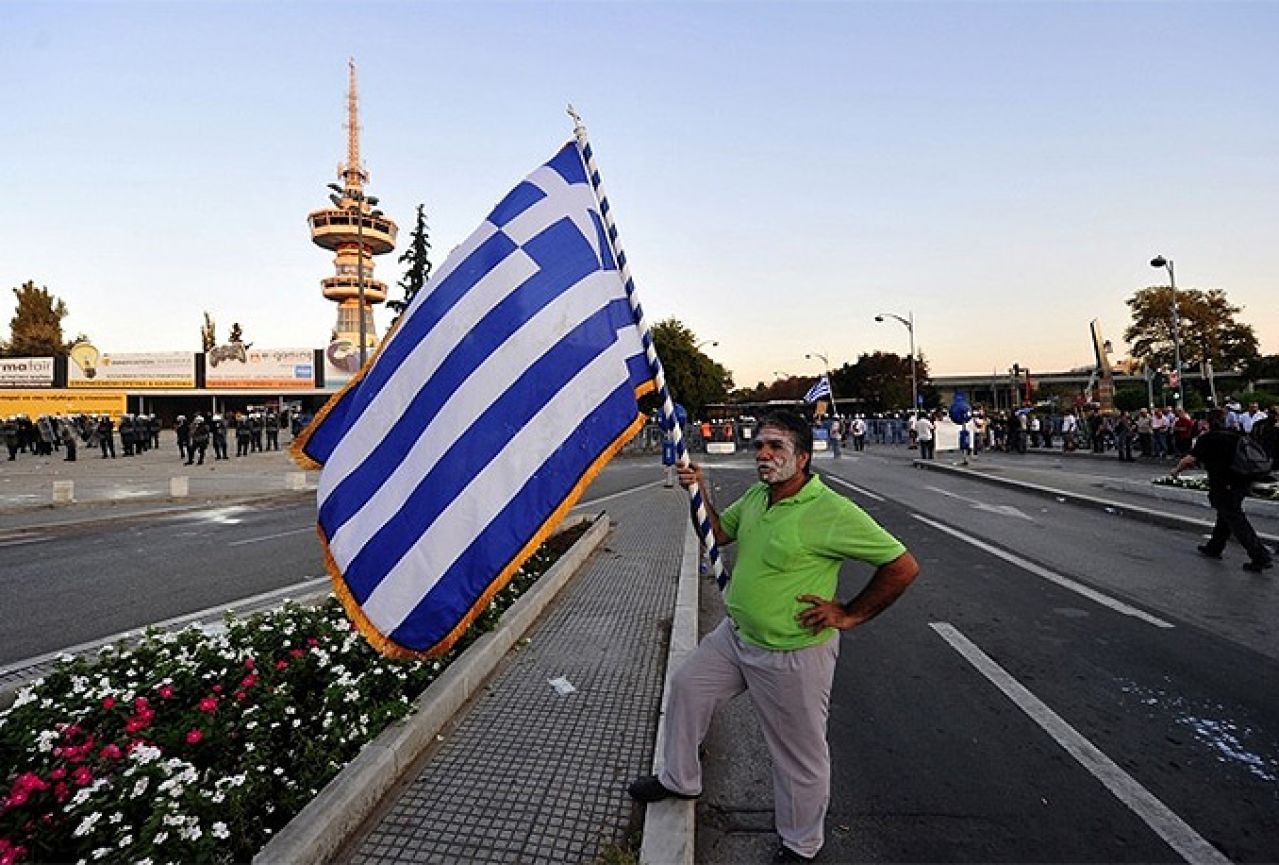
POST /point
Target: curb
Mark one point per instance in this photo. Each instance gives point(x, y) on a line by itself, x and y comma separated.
point(670, 825)
point(321, 828)
point(1120, 509)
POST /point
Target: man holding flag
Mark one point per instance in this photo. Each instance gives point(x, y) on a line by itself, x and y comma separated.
point(780, 640)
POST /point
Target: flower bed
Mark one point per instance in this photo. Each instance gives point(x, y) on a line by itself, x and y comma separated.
point(192, 746)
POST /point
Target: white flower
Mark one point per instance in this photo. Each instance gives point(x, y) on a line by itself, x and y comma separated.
point(46, 740)
point(146, 754)
point(279, 770)
point(26, 695)
point(102, 852)
point(87, 824)
point(220, 831)
point(115, 818)
point(160, 837)
point(140, 787)
point(125, 841)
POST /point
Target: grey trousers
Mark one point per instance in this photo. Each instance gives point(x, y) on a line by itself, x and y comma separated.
point(791, 694)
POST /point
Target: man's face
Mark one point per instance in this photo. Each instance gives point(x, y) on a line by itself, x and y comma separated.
point(776, 459)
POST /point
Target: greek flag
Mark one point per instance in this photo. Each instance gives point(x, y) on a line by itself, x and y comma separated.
point(820, 388)
point(508, 383)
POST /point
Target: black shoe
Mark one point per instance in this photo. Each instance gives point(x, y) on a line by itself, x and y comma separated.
point(1205, 550)
point(649, 789)
point(786, 854)
point(1258, 567)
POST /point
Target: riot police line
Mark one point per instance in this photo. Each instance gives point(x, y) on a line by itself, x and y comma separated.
point(253, 431)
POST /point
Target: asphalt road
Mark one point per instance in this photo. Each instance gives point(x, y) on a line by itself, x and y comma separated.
point(67, 585)
point(1058, 686)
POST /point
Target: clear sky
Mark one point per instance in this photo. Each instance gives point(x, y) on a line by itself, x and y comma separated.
point(780, 172)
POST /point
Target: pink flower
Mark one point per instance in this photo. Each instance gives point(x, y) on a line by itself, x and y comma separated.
point(71, 730)
point(248, 681)
point(58, 774)
point(248, 663)
point(16, 798)
point(165, 692)
point(297, 653)
point(194, 736)
point(82, 776)
point(10, 852)
point(111, 752)
point(240, 695)
point(141, 703)
point(108, 703)
point(312, 642)
point(208, 704)
point(28, 781)
point(136, 724)
point(61, 792)
point(281, 665)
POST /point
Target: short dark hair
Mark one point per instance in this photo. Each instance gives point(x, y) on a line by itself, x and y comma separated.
point(799, 428)
point(1217, 418)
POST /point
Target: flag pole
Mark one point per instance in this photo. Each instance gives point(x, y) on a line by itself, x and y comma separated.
point(697, 503)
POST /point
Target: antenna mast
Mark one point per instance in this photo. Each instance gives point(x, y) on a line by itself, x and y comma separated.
point(352, 173)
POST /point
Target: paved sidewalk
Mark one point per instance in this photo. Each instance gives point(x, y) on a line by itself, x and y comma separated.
point(531, 774)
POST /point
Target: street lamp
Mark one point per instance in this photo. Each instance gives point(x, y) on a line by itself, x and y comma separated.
point(834, 409)
point(711, 342)
point(358, 208)
point(1160, 261)
point(909, 324)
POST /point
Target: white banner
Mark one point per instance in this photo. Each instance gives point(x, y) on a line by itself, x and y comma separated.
point(26, 372)
point(291, 368)
point(134, 371)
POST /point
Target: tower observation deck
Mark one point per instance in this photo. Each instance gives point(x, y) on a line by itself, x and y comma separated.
point(355, 230)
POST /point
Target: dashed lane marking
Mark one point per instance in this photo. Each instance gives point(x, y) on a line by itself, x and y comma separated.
point(1178, 834)
point(861, 492)
point(1051, 576)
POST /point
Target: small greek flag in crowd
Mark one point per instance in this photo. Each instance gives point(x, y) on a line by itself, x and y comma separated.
point(509, 382)
point(820, 388)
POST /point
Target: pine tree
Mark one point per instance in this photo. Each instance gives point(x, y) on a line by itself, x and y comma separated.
point(419, 265)
point(36, 327)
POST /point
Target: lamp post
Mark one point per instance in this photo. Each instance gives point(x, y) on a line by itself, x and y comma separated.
point(357, 208)
point(1160, 261)
point(909, 324)
point(834, 409)
point(711, 342)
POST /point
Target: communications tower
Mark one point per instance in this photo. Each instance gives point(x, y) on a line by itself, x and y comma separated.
point(356, 231)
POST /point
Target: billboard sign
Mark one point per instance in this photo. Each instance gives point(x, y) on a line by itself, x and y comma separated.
point(90, 368)
point(287, 368)
point(26, 372)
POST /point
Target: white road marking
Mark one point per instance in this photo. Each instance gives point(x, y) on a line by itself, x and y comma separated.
point(1187, 843)
point(1051, 576)
point(1004, 510)
point(310, 529)
point(592, 502)
point(22, 536)
point(861, 492)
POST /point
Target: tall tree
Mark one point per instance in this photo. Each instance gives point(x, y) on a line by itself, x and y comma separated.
point(693, 378)
point(416, 256)
point(878, 382)
point(36, 327)
point(1209, 329)
point(208, 334)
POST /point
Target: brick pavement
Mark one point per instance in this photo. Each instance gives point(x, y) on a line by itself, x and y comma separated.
point(530, 774)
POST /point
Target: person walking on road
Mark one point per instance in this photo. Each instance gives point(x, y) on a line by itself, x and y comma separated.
point(1214, 450)
point(924, 433)
point(780, 640)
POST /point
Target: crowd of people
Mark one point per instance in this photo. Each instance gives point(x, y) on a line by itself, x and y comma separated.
point(253, 431)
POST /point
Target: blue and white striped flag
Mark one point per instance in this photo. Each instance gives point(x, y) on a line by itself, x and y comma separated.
point(820, 388)
point(508, 383)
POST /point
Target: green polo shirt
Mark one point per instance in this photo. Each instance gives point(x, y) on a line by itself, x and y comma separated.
point(795, 548)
